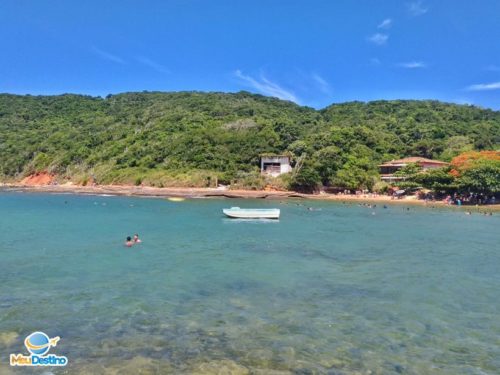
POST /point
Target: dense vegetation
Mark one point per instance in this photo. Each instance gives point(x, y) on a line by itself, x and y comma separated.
point(474, 175)
point(192, 138)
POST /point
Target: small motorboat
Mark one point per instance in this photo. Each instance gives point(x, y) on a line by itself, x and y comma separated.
point(252, 213)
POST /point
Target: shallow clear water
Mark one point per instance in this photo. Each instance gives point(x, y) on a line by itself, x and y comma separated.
point(337, 290)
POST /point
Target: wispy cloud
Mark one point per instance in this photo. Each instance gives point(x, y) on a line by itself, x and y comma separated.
point(152, 64)
point(375, 61)
point(416, 8)
point(484, 86)
point(267, 87)
point(322, 84)
point(385, 24)
point(108, 56)
point(412, 65)
point(378, 39)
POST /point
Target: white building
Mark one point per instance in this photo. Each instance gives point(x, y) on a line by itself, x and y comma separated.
point(274, 165)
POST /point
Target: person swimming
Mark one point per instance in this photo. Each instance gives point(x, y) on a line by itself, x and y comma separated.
point(137, 239)
point(129, 242)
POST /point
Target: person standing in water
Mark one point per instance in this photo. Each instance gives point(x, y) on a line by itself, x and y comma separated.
point(129, 242)
point(137, 239)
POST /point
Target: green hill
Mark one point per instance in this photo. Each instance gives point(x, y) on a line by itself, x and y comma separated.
point(194, 138)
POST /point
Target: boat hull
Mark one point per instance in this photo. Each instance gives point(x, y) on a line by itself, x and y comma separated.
point(251, 213)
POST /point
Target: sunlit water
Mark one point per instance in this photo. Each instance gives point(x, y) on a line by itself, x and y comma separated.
point(338, 290)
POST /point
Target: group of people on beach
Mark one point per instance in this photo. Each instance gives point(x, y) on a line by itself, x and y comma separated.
point(469, 199)
point(131, 241)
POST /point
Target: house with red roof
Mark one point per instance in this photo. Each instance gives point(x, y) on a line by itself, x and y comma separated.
point(388, 169)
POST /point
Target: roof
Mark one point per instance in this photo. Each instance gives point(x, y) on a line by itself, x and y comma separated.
point(274, 156)
point(412, 159)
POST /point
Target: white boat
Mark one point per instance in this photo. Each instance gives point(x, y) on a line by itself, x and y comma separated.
point(176, 199)
point(252, 213)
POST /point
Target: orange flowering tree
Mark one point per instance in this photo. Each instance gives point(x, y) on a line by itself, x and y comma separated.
point(470, 159)
point(470, 172)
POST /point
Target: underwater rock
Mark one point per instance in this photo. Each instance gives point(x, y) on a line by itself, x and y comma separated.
point(222, 367)
point(8, 338)
point(399, 368)
point(6, 370)
point(89, 369)
point(258, 371)
point(138, 365)
point(260, 358)
point(287, 355)
point(239, 303)
point(332, 363)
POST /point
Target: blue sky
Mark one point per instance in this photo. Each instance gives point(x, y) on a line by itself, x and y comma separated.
point(311, 52)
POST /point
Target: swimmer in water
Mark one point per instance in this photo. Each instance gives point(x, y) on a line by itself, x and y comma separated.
point(137, 239)
point(129, 242)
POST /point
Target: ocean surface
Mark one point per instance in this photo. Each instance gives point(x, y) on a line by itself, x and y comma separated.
point(341, 289)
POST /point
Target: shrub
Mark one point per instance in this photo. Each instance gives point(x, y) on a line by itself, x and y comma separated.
point(307, 180)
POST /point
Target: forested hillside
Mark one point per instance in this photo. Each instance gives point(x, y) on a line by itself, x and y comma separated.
point(192, 138)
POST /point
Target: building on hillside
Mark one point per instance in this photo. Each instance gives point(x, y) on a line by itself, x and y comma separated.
point(274, 165)
point(388, 169)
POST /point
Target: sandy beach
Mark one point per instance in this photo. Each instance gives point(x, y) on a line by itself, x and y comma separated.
point(184, 192)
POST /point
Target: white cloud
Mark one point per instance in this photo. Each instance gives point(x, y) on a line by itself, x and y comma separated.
point(375, 61)
point(385, 24)
point(413, 65)
point(484, 86)
point(267, 87)
point(152, 64)
point(416, 8)
point(322, 84)
point(378, 39)
point(108, 56)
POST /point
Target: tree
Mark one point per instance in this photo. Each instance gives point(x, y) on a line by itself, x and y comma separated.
point(307, 180)
point(328, 161)
point(456, 145)
point(483, 177)
point(352, 177)
point(174, 138)
point(469, 159)
point(438, 180)
point(408, 171)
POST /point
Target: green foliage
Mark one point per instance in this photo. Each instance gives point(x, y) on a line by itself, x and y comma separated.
point(456, 145)
point(194, 139)
point(329, 161)
point(381, 187)
point(408, 185)
point(483, 177)
point(250, 180)
point(435, 179)
point(307, 180)
point(358, 172)
point(409, 170)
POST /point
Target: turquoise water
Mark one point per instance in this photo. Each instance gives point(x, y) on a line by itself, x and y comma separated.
point(337, 290)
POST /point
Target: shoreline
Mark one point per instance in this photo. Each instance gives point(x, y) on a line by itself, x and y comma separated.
point(173, 192)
